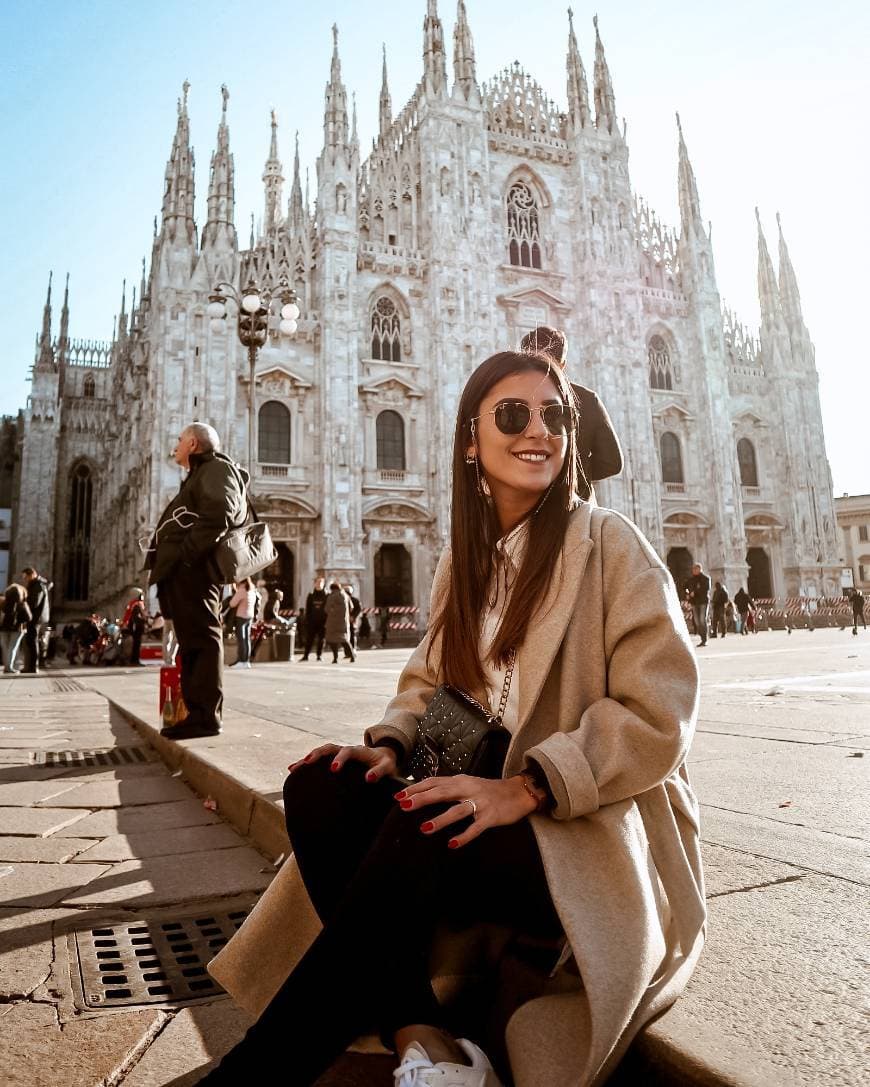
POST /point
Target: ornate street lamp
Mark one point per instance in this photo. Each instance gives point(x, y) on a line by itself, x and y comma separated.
point(258, 310)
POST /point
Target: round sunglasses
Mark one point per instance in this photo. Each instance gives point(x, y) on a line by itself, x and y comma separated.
point(514, 416)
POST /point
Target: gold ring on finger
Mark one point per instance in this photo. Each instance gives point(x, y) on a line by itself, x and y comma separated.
point(473, 807)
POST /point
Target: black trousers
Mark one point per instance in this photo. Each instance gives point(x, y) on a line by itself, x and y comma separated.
point(856, 615)
point(314, 633)
point(381, 887)
point(31, 645)
point(192, 600)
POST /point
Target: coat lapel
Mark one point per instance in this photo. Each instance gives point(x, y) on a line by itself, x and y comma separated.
point(535, 657)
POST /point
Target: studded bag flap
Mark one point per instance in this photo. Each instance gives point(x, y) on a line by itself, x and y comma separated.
point(457, 735)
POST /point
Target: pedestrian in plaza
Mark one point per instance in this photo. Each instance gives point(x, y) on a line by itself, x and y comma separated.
point(315, 619)
point(383, 624)
point(134, 621)
point(561, 619)
point(245, 604)
point(272, 611)
point(598, 450)
point(698, 587)
point(743, 602)
point(857, 601)
point(337, 630)
point(720, 601)
point(211, 500)
point(355, 609)
point(13, 623)
point(39, 602)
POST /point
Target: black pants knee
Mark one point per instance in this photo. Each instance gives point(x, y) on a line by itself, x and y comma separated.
point(381, 887)
point(192, 600)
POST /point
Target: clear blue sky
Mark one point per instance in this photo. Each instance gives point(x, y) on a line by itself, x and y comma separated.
point(772, 98)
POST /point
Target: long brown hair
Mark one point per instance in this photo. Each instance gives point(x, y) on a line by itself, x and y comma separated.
point(475, 530)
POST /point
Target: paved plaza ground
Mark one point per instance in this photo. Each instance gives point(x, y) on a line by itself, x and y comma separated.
point(175, 842)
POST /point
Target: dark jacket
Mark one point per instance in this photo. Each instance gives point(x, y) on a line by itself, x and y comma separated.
point(699, 589)
point(315, 609)
point(743, 601)
point(597, 444)
point(337, 617)
point(355, 607)
point(16, 612)
point(720, 597)
point(215, 490)
point(37, 600)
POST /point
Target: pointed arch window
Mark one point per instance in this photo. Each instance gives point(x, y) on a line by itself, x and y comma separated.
point(672, 458)
point(273, 434)
point(747, 463)
point(90, 387)
point(661, 371)
point(524, 230)
point(390, 430)
point(386, 331)
point(78, 556)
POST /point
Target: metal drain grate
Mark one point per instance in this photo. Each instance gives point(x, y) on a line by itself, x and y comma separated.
point(110, 756)
point(61, 686)
point(151, 961)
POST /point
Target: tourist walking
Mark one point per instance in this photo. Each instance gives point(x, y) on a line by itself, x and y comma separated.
point(561, 621)
point(211, 500)
point(384, 624)
point(598, 450)
point(698, 587)
point(857, 601)
point(744, 604)
point(13, 623)
point(315, 619)
point(337, 630)
point(245, 602)
point(720, 601)
point(134, 621)
point(39, 602)
point(355, 609)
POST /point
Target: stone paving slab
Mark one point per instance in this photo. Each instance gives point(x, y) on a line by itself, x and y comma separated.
point(27, 793)
point(27, 1014)
point(41, 850)
point(163, 880)
point(44, 884)
point(135, 819)
point(26, 951)
point(727, 870)
point(39, 821)
point(119, 794)
point(157, 843)
point(83, 1054)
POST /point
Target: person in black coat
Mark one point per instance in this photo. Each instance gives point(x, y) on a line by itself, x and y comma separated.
point(315, 618)
point(40, 612)
point(698, 589)
point(599, 454)
point(14, 618)
point(211, 501)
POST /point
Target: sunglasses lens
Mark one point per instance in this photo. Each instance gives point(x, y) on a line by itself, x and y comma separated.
point(512, 417)
point(557, 418)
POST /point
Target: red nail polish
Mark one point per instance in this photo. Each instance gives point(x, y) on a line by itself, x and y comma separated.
point(335, 766)
point(453, 844)
point(406, 804)
point(370, 776)
point(399, 795)
point(427, 827)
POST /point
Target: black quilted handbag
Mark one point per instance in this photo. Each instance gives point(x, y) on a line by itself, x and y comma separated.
point(457, 735)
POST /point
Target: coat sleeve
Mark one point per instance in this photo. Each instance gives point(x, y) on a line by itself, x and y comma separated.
point(418, 680)
point(634, 738)
point(220, 504)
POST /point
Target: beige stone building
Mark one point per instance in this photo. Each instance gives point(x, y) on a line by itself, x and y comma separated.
point(483, 210)
point(853, 522)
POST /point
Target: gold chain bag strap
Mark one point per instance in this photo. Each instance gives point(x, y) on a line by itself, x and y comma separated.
point(457, 735)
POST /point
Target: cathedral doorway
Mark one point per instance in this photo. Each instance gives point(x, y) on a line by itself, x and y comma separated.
point(282, 575)
point(78, 556)
point(680, 565)
point(759, 585)
point(393, 580)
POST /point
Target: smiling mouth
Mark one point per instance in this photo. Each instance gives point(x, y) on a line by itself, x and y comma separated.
point(531, 457)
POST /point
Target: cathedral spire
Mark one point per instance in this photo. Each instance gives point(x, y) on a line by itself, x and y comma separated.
point(578, 88)
point(690, 206)
point(273, 179)
point(386, 105)
point(434, 58)
point(768, 292)
point(122, 316)
point(605, 104)
point(45, 355)
point(464, 69)
point(179, 189)
point(788, 288)
point(335, 107)
point(296, 212)
point(63, 336)
point(221, 185)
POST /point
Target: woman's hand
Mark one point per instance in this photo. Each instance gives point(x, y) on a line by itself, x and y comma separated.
point(498, 803)
point(381, 761)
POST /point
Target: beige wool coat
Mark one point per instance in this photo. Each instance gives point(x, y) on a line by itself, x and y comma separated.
point(607, 706)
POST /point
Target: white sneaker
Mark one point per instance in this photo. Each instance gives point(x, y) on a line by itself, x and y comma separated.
point(247, 664)
point(417, 1070)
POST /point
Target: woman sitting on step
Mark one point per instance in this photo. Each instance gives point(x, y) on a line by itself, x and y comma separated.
point(560, 618)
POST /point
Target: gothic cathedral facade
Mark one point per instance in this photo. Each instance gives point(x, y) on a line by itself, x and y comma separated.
point(483, 210)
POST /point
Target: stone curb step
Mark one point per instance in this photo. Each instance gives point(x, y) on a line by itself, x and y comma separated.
point(659, 1057)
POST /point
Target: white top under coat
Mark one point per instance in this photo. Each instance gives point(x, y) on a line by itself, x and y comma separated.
point(511, 550)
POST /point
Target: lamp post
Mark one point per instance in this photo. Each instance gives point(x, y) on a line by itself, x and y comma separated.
point(256, 312)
